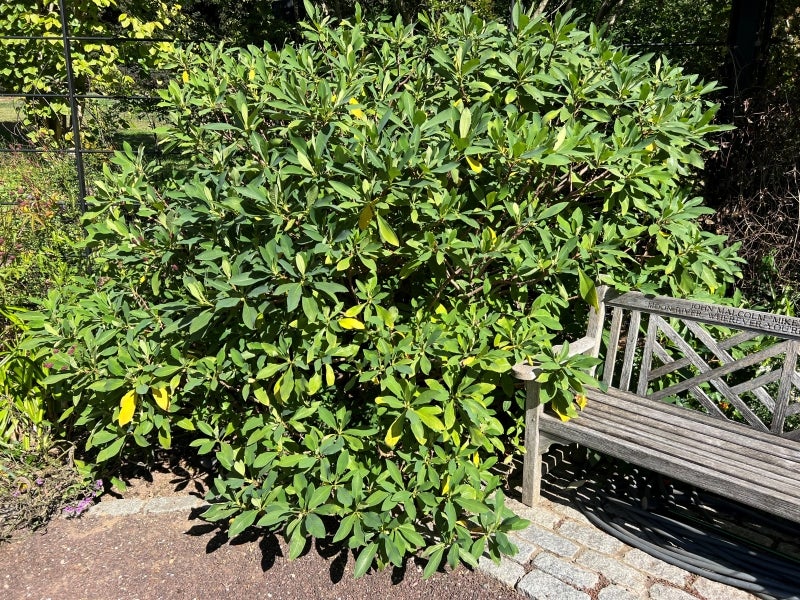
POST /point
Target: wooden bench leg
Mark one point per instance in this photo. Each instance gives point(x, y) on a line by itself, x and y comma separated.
point(532, 467)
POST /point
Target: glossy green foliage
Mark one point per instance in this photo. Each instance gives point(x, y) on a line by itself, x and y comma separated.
point(363, 234)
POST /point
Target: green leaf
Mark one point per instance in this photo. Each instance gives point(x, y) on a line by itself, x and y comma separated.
point(219, 512)
point(587, 290)
point(293, 296)
point(364, 560)
point(200, 321)
point(464, 123)
point(297, 543)
point(320, 496)
point(345, 190)
point(242, 522)
point(110, 451)
point(249, 316)
point(427, 415)
point(386, 232)
point(304, 162)
point(433, 562)
point(315, 526)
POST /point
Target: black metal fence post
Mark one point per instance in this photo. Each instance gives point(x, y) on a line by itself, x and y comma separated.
point(73, 105)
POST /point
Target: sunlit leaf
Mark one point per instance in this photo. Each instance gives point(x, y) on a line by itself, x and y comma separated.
point(350, 323)
point(395, 432)
point(127, 408)
point(474, 164)
point(161, 396)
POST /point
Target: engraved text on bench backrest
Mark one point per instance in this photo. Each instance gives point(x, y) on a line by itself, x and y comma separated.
point(730, 363)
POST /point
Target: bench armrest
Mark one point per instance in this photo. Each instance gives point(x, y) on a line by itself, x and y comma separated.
point(527, 372)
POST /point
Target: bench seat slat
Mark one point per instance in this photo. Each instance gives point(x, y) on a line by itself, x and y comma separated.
point(722, 428)
point(694, 438)
point(784, 502)
point(728, 456)
point(675, 455)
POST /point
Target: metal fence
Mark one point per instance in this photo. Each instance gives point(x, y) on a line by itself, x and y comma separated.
point(73, 96)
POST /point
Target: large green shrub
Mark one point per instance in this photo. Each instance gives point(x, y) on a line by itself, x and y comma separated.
point(362, 236)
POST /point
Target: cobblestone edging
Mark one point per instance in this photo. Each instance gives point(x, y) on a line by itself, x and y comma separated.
point(122, 508)
point(561, 557)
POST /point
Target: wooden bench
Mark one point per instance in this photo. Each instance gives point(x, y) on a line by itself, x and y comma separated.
point(661, 352)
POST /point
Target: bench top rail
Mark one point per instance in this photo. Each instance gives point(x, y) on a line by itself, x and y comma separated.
point(713, 314)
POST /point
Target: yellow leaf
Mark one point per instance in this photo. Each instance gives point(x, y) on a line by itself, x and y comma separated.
point(185, 77)
point(251, 74)
point(580, 400)
point(395, 432)
point(446, 485)
point(365, 217)
point(474, 164)
point(161, 396)
point(476, 459)
point(127, 407)
point(356, 112)
point(330, 378)
point(350, 323)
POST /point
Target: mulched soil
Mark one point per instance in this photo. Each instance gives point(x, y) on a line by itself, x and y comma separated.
point(177, 556)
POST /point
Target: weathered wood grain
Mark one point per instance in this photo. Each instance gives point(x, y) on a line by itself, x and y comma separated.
point(613, 345)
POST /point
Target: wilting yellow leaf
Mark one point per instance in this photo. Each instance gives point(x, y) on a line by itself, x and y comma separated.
point(127, 407)
point(580, 400)
point(185, 77)
point(474, 164)
point(350, 323)
point(365, 217)
point(161, 396)
point(395, 432)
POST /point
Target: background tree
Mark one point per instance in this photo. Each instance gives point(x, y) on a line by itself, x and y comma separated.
point(37, 67)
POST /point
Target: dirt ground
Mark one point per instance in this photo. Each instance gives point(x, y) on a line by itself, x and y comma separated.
point(179, 556)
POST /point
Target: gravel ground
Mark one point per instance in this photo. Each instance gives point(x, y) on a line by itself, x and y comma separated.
point(175, 556)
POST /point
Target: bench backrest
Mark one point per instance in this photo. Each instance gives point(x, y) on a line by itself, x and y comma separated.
point(731, 363)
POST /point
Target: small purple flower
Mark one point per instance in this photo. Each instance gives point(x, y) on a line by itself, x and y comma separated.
point(48, 365)
point(39, 481)
point(56, 350)
point(71, 350)
point(98, 485)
